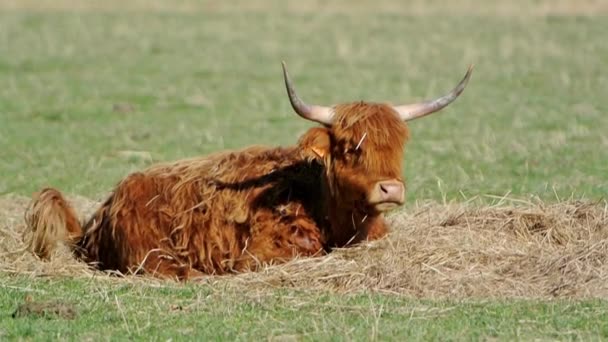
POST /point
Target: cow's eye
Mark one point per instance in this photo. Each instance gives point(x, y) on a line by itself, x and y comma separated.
point(350, 153)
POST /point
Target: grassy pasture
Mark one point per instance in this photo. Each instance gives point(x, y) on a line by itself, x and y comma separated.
point(90, 92)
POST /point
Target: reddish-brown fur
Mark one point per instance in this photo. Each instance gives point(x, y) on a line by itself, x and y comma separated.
point(232, 211)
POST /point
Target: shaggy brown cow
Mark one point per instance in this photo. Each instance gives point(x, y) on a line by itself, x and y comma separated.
point(235, 210)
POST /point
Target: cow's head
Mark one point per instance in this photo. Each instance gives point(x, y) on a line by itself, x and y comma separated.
point(361, 145)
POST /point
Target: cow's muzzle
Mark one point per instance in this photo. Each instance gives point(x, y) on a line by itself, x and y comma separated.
point(387, 195)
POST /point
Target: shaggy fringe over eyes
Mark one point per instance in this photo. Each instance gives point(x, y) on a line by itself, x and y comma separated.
point(379, 121)
point(384, 132)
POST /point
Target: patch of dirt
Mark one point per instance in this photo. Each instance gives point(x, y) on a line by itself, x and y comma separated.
point(530, 250)
point(45, 309)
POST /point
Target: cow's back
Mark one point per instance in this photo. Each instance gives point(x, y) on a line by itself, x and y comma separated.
point(205, 213)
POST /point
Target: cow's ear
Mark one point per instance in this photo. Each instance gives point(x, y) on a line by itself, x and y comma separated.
point(319, 152)
point(315, 143)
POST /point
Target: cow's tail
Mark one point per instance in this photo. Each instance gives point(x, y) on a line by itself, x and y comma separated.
point(51, 222)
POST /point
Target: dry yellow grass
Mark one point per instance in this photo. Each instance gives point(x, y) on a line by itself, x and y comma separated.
point(527, 250)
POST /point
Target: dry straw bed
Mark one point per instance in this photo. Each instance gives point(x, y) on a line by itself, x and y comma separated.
point(525, 250)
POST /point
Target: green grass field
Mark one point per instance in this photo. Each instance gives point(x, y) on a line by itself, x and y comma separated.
point(212, 313)
point(85, 92)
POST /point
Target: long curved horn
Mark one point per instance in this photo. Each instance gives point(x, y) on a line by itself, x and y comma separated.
point(418, 110)
point(320, 114)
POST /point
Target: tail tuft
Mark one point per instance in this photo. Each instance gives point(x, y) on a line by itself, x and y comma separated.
point(50, 221)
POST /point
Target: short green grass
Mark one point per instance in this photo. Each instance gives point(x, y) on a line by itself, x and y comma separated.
point(79, 87)
point(195, 312)
point(532, 120)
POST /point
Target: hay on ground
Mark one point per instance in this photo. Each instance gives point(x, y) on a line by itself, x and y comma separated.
point(529, 250)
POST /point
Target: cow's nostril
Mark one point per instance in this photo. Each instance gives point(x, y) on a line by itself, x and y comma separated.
point(383, 188)
point(389, 191)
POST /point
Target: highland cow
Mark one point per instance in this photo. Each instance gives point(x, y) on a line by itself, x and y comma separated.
point(236, 210)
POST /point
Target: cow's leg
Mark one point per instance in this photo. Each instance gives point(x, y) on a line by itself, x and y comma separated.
point(377, 229)
point(162, 265)
point(278, 242)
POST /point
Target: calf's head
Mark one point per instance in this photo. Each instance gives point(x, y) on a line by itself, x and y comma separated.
point(361, 145)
